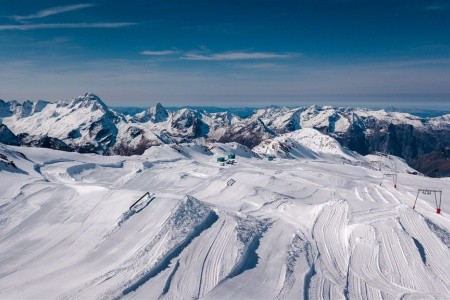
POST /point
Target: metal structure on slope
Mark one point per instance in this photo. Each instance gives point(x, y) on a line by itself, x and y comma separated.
point(427, 191)
point(389, 175)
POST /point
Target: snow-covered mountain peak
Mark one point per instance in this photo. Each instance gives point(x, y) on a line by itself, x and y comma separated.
point(88, 100)
point(391, 117)
point(318, 142)
point(303, 143)
point(29, 108)
point(225, 118)
point(21, 110)
point(156, 114)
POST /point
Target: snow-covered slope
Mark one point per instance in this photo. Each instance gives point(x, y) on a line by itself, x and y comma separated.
point(304, 143)
point(285, 229)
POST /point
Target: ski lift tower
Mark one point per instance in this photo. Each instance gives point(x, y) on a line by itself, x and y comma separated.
point(428, 191)
point(390, 175)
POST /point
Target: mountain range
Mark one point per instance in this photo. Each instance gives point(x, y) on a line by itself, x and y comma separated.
point(86, 124)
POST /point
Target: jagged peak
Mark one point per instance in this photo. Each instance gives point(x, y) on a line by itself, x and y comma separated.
point(160, 114)
point(157, 107)
point(155, 114)
point(39, 105)
point(89, 99)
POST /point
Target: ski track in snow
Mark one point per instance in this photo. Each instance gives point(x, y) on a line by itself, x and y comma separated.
point(288, 229)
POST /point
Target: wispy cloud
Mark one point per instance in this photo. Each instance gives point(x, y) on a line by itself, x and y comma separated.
point(64, 25)
point(240, 55)
point(262, 66)
point(25, 25)
point(159, 53)
point(436, 7)
point(51, 11)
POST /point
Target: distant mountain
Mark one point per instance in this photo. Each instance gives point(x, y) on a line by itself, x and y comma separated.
point(305, 143)
point(420, 112)
point(86, 124)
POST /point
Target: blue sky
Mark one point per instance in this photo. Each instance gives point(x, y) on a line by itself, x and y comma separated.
point(228, 53)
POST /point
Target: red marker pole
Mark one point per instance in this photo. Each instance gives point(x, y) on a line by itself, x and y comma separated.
point(438, 207)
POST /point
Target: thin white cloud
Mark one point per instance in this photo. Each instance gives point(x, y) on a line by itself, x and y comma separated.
point(234, 56)
point(64, 25)
point(261, 66)
point(436, 7)
point(52, 11)
point(159, 53)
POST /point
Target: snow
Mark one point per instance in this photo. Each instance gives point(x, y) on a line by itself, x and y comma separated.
point(392, 117)
point(342, 125)
point(58, 119)
point(304, 143)
point(314, 226)
point(315, 117)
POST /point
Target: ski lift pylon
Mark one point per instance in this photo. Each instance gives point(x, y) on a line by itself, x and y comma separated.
point(390, 175)
point(426, 191)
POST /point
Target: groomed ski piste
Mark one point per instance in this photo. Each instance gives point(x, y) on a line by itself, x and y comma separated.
point(312, 224)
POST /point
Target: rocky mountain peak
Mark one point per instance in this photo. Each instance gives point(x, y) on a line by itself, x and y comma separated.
point(156, 114)
point(88, 100)
point(159, 113)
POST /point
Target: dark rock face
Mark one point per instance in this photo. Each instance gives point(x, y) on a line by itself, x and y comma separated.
point(8, 137)
point(44, 142)
point(5, 162)
point(74, 134)
point(294, 122)
point(188, 125)
point(434, 164)
point(6, 108)
point(250, 134)
point(103, 133)
point(356, 139)
point(127, 150)
point(422, 149)
point(160, 114)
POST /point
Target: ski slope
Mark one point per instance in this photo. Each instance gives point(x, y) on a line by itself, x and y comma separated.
point(313, 227)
